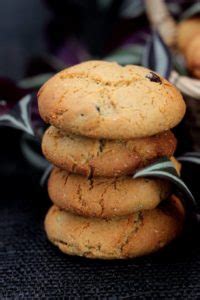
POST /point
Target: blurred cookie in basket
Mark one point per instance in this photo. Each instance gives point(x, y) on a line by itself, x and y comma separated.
point(101, 157)
point(188, 39)
point(192, 55)
point(138, 234)
point(187, 30)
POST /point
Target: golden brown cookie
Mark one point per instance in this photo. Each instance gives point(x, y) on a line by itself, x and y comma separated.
point(187, 30)
point(105, 197)
point(135, 235)
point(108, 158)
point(192, 55)
point(102, 99)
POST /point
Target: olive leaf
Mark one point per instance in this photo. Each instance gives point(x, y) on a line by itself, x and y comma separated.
point(156, 55)
point(191, 11)
point(24, 116)
point(19, 116)
point(34, 82)
point(132, 9)
point(126, 55)
point(192, 157)
point(46, 174)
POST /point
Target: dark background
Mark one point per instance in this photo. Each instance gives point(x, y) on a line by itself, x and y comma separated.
point(30, 267)
point(22, 27)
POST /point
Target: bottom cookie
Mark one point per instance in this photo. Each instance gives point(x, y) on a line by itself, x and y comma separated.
point(135, 235)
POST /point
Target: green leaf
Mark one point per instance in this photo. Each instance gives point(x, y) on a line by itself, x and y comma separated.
point(126, 55)
point(132, 8)
point(165, 169)
point(179, 65)
point(104, 4)
point(157, 56)
point(192, 11)
point(35, 81)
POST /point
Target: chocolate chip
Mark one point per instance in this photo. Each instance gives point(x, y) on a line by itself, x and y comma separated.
point(97, 108)
point(102, 144)
point(91, 173)
point(153, 77)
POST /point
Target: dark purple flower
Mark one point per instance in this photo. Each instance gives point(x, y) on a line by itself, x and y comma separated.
point(10, 93)
point(72, 52)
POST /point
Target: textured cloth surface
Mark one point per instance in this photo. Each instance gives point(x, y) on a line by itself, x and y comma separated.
point(31, 268)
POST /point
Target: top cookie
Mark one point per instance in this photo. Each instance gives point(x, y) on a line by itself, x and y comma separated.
point(102, 99)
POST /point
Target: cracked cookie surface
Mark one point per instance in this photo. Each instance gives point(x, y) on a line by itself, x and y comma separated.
point(105, 197)
point(138, 234)
point(109, 158)
point(102, 99)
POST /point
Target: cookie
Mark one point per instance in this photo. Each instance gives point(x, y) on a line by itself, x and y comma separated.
point(105, 197)
point(186, 31)
point(192, 55)
point(138, 234)
point(108, 158)
point(102, 99)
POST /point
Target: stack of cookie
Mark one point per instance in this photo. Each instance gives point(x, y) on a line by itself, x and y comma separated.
point(108, 121)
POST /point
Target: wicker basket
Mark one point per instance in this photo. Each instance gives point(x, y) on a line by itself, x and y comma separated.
point(189, 131)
